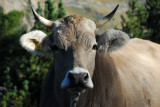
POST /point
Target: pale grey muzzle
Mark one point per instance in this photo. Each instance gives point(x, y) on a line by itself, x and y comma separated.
point(77, 77)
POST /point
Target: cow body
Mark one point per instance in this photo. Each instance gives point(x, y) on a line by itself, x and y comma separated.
point(120, 80)
point(139, 71)
point(90, 70)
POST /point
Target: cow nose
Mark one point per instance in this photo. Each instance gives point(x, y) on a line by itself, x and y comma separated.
point(77, 78)
point(80, 78)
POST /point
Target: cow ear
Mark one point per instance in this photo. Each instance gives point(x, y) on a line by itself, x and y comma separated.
point(36, 42)
point(111, 40)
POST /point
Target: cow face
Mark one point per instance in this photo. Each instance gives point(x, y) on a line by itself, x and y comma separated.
point(74, 45)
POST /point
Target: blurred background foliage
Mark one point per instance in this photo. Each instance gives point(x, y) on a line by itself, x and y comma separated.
point(22, 74)
point(143, 21)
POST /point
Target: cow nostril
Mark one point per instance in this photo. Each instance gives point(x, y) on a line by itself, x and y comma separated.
point(71, 76)
point(76, 78)
point(85, 77)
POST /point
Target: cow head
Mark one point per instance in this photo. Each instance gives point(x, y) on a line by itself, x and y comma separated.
point(74, 45)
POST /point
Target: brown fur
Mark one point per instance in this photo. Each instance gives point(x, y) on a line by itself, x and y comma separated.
point(122, 77)
point(107, 90)
point(128, 77)
point(138, 64)
point(72, 30)
point(74, 19)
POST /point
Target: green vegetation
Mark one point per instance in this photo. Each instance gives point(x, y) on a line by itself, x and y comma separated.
point(143, 20)
point(50, 13)
point(9, 23)
point(61, 12)
point(50, 10)
point(21, 74)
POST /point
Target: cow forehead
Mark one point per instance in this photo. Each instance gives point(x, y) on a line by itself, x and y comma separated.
point(79, 22)
point(72, 28)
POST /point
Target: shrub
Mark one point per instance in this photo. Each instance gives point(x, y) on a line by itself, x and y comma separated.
point(143, 20)
point(21, 74)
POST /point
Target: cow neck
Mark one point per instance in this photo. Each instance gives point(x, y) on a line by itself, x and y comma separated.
point(107, 85)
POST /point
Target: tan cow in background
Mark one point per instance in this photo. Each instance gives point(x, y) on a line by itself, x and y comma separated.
point(90, 70)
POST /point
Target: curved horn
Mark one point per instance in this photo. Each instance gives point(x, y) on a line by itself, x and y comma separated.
point(42, 20)
point(105, 19)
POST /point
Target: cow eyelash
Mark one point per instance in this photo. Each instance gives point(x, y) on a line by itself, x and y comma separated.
point(95, 47)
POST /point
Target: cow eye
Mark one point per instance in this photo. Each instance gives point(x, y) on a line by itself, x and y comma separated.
point(95, 47)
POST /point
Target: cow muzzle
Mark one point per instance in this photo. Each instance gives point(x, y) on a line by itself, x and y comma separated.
point(77, 80)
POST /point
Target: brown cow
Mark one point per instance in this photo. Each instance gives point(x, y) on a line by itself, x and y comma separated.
point(108, 70)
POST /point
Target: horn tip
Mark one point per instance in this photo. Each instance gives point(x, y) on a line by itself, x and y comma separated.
point(106, 18)
point(117, 6)
point(34, 13)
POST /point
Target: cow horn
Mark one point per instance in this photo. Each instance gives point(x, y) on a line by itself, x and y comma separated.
point(105, 19)
point(42, 20)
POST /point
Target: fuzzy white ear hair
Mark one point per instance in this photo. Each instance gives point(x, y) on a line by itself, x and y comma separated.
point(31, 41)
